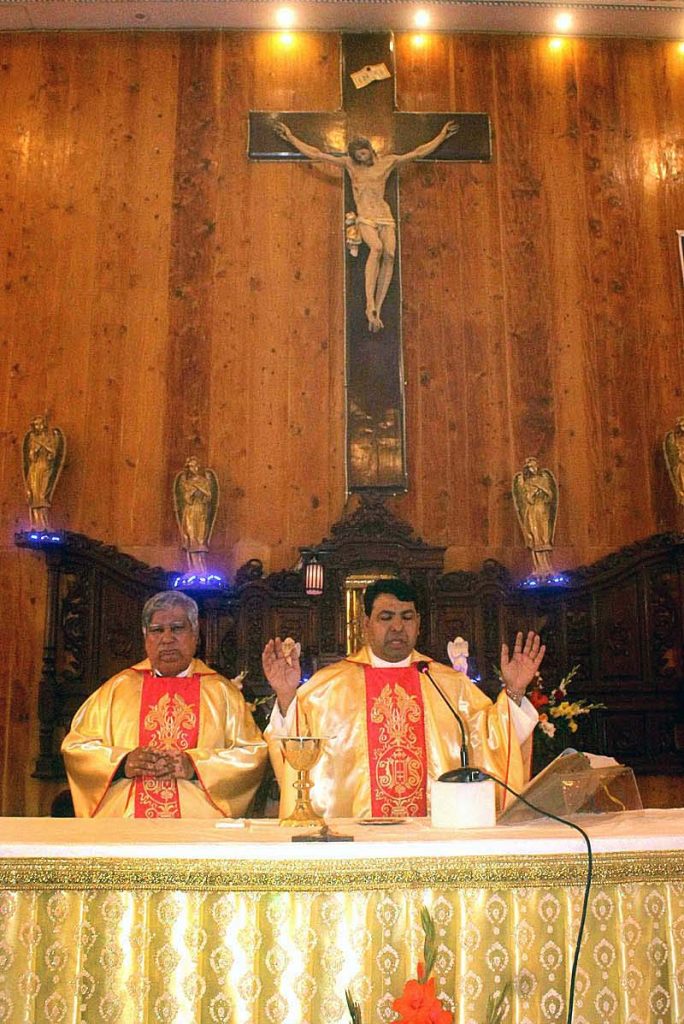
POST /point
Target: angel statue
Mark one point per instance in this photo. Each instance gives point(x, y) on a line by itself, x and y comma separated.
point(458, 654)
point(673, 447)
point(43, 451)
point(195, 500)
point(535, 496)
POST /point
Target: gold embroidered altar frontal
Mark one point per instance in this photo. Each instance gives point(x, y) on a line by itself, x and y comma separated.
point(180, 922)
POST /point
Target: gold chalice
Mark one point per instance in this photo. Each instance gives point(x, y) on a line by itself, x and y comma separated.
point(302, 753)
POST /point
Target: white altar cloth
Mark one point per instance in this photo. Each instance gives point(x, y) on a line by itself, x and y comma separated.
point(265, 840)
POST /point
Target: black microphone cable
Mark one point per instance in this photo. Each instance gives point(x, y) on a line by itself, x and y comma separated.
point(587, 886)
point(468, 774)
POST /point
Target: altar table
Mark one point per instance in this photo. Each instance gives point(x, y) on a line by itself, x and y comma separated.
point(185, 922)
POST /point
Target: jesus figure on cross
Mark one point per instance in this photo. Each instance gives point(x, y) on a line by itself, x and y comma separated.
point(368, 174)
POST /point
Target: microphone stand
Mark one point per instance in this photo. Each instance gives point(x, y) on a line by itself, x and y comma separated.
point(465, 773)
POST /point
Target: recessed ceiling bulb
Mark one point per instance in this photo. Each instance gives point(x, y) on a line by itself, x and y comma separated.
point(285, 17)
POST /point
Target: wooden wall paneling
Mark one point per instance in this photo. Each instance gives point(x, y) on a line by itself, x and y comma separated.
point(431, 283)
point(455, 339)
point(575, 367)
point(75, 127)
point(296, 223)
point(231, 383)
point(653, 89)
point(492, 527)
point(22, 582)
point(613, 203)
point(17, 130)
point(290, 283)
point(138, 168)
point(599, 123)
point(192, 257)
point(35, 85)
point(526, 189)
point(645, 105)
point(234, 428)
point(92, 233)
point(63, 232)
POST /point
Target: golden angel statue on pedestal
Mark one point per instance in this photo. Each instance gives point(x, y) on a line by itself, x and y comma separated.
point(43, 452)
point(535, 496)
point(673, 448)
point(195, 500)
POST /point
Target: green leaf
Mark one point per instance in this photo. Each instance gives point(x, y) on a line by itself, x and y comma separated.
point(353, 1007)
point(498, 1006)
point(430, 944)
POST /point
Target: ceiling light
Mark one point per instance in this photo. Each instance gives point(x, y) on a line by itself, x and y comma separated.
point(422, 19)
point(285, 17)
point(563, 22)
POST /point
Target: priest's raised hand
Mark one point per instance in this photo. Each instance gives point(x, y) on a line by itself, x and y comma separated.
point(280, 661)
point(518, 670)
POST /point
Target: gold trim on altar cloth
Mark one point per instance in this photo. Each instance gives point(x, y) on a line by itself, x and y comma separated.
point(337, 875)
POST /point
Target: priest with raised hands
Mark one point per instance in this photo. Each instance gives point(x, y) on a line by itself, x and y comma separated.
point(167, 738)
point(386, 729)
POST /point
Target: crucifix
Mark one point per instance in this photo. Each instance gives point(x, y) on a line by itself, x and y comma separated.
point(370, 139)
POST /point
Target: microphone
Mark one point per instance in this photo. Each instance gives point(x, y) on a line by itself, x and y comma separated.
point(465, 773)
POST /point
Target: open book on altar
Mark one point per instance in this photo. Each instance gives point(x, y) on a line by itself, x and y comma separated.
point(576, 783)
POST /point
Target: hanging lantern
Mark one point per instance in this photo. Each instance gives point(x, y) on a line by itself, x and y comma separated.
point(313, 578)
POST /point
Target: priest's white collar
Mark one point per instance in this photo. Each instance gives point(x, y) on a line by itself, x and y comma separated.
point(379, 663)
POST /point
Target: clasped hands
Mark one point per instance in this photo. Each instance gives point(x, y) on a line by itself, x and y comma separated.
point(160, 764)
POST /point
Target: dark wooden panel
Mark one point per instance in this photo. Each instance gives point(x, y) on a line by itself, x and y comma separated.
point(618, 633)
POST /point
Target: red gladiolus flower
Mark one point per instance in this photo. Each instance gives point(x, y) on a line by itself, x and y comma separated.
point(537, 699)
point(418, 1003)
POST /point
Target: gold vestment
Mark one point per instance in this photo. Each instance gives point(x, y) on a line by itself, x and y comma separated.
point(229, 758)
point(332, 704)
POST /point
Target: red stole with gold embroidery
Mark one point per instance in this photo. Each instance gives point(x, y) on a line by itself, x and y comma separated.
point(169, 720)
point(395, 724)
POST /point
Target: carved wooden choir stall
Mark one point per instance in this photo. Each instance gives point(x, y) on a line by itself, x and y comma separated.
point(619, 620)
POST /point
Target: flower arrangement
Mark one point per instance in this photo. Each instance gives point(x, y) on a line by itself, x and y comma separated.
point(418, 1003)
point(557, 713)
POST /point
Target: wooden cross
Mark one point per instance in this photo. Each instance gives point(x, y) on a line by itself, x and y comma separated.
point(376, 437)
